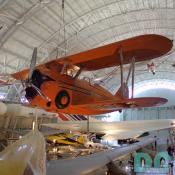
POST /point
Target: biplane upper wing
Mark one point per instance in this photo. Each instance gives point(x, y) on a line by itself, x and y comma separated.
point(117, 104)
point(142, 47)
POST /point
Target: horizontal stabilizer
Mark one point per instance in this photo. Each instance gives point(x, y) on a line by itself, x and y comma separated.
point(117, 104)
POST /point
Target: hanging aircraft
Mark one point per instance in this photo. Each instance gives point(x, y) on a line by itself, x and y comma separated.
point(151, 68)
point(55, 86)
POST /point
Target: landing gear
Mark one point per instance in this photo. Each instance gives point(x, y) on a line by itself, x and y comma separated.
point(120, 110)
point(48, 104)
point(62, 100)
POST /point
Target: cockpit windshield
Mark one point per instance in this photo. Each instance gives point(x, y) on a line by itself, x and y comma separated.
point(71, 70)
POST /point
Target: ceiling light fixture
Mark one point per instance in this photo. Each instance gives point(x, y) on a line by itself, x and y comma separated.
point(44, 1)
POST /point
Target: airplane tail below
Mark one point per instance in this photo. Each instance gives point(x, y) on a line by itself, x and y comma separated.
point(122, 93)
point(71, 117)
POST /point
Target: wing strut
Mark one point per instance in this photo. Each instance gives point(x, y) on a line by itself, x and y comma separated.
point(121, 69)
point(78, 73)
point(64, 68)
point(124, 84)
point(88, 124)
point(133, 70)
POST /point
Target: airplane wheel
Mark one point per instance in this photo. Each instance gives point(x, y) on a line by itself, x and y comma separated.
point(120, 110)
point(62, 100)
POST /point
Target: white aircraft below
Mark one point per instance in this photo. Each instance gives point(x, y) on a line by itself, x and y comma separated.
point(15, 110)
point(115, 130)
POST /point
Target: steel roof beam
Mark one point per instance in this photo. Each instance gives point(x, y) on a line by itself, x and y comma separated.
point(28, 14)
point(4, 3)
point(96, 44)
point(15, 54)
point(94, 10)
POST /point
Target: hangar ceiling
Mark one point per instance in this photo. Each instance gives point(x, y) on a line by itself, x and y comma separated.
point(82, 25)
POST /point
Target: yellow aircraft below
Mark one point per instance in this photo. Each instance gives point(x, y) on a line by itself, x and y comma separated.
point(66, 139)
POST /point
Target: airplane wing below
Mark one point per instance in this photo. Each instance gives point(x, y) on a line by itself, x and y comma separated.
point(87, 164)
point(117, 104)
point(115, 130)
point(144, 47)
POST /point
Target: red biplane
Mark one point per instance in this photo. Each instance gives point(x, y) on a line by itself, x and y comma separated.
point(55, 86)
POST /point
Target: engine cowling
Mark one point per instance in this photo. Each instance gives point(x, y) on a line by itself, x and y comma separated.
point(37, 79)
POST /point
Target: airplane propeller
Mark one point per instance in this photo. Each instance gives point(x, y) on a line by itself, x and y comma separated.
point(32, 64)
point(28, 84)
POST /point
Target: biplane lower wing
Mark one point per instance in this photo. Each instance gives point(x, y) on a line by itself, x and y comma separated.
point(125, 103)
point(144, 47)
